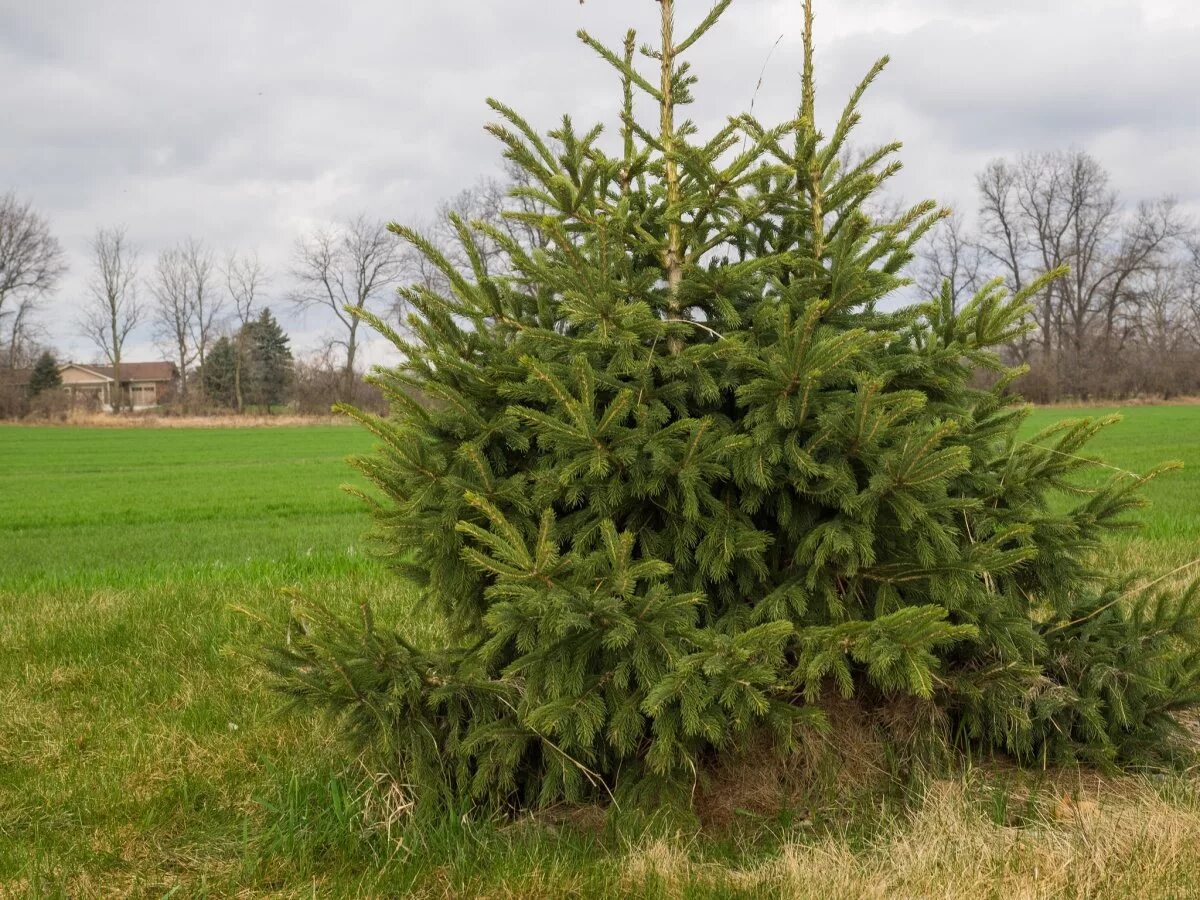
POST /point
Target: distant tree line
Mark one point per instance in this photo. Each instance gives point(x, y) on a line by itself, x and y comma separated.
point(207, 316)
point(1124, 321)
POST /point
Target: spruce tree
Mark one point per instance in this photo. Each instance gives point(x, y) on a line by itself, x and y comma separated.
point(220, 373)
point(45, 375)
point(268, 370)
point(677, 475)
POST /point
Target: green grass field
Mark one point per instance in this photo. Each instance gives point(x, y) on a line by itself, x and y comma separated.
point(1145, 437)
point(141, 754)
point(114, 504)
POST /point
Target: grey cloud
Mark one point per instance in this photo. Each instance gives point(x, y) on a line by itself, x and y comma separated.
point(1058, 80)
point(244, 123)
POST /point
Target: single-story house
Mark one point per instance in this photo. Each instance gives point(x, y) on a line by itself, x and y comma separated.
point(143, 384)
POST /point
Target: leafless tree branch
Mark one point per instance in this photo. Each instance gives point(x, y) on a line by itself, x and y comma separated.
point(345, 268)
point(112, 311)
point(31, 264)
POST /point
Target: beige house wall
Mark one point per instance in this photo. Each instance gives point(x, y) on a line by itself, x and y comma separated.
point(84, 385)
point(74, 375)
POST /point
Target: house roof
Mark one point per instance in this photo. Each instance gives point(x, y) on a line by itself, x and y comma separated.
point(133, 371)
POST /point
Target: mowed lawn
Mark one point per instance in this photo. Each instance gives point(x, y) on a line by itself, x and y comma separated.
point(141, 754)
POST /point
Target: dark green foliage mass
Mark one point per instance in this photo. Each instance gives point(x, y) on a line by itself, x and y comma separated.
point(267, 368)
point(220, 372)
point(45, 375)
point(264, 367)
point(677, 475)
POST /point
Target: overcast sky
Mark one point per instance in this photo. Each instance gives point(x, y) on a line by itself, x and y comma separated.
point(246, 122)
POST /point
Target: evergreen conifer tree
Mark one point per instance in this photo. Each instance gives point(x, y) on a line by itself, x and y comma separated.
point(267, 374)
point(45, 375)
point(220, 373)
point(680, 475)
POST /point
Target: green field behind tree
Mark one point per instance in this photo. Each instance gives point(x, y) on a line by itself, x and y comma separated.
point(142, 754)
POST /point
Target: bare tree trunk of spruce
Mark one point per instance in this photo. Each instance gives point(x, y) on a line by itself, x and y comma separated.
point(627, 125)
point(808, 115)
point(673, 253)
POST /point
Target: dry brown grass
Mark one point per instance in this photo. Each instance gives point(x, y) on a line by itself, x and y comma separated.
point(1109, 403)
point(830, 771)
point(1116, 838)
point(758, 782)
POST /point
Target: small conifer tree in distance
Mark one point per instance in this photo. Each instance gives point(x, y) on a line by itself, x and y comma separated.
point(220, 372)
point(676, 476)
point(45, 375)
point(269, 361)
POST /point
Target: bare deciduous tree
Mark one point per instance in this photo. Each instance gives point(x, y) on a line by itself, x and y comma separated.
point(951, 257)
point(1050, 210)
point(509, 205)
point(31, 264)
point(1162, 333)
point(346, 269)
point(206, 302)
point(1190, 279)
point(112, 312)
point(245, 279)
point(173, 315)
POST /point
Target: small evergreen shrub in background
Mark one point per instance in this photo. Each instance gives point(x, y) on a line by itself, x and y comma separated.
point(45, 375)
point(677, 477)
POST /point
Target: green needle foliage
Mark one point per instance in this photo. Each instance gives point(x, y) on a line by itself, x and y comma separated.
point(45, 375)
point(676, 476)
